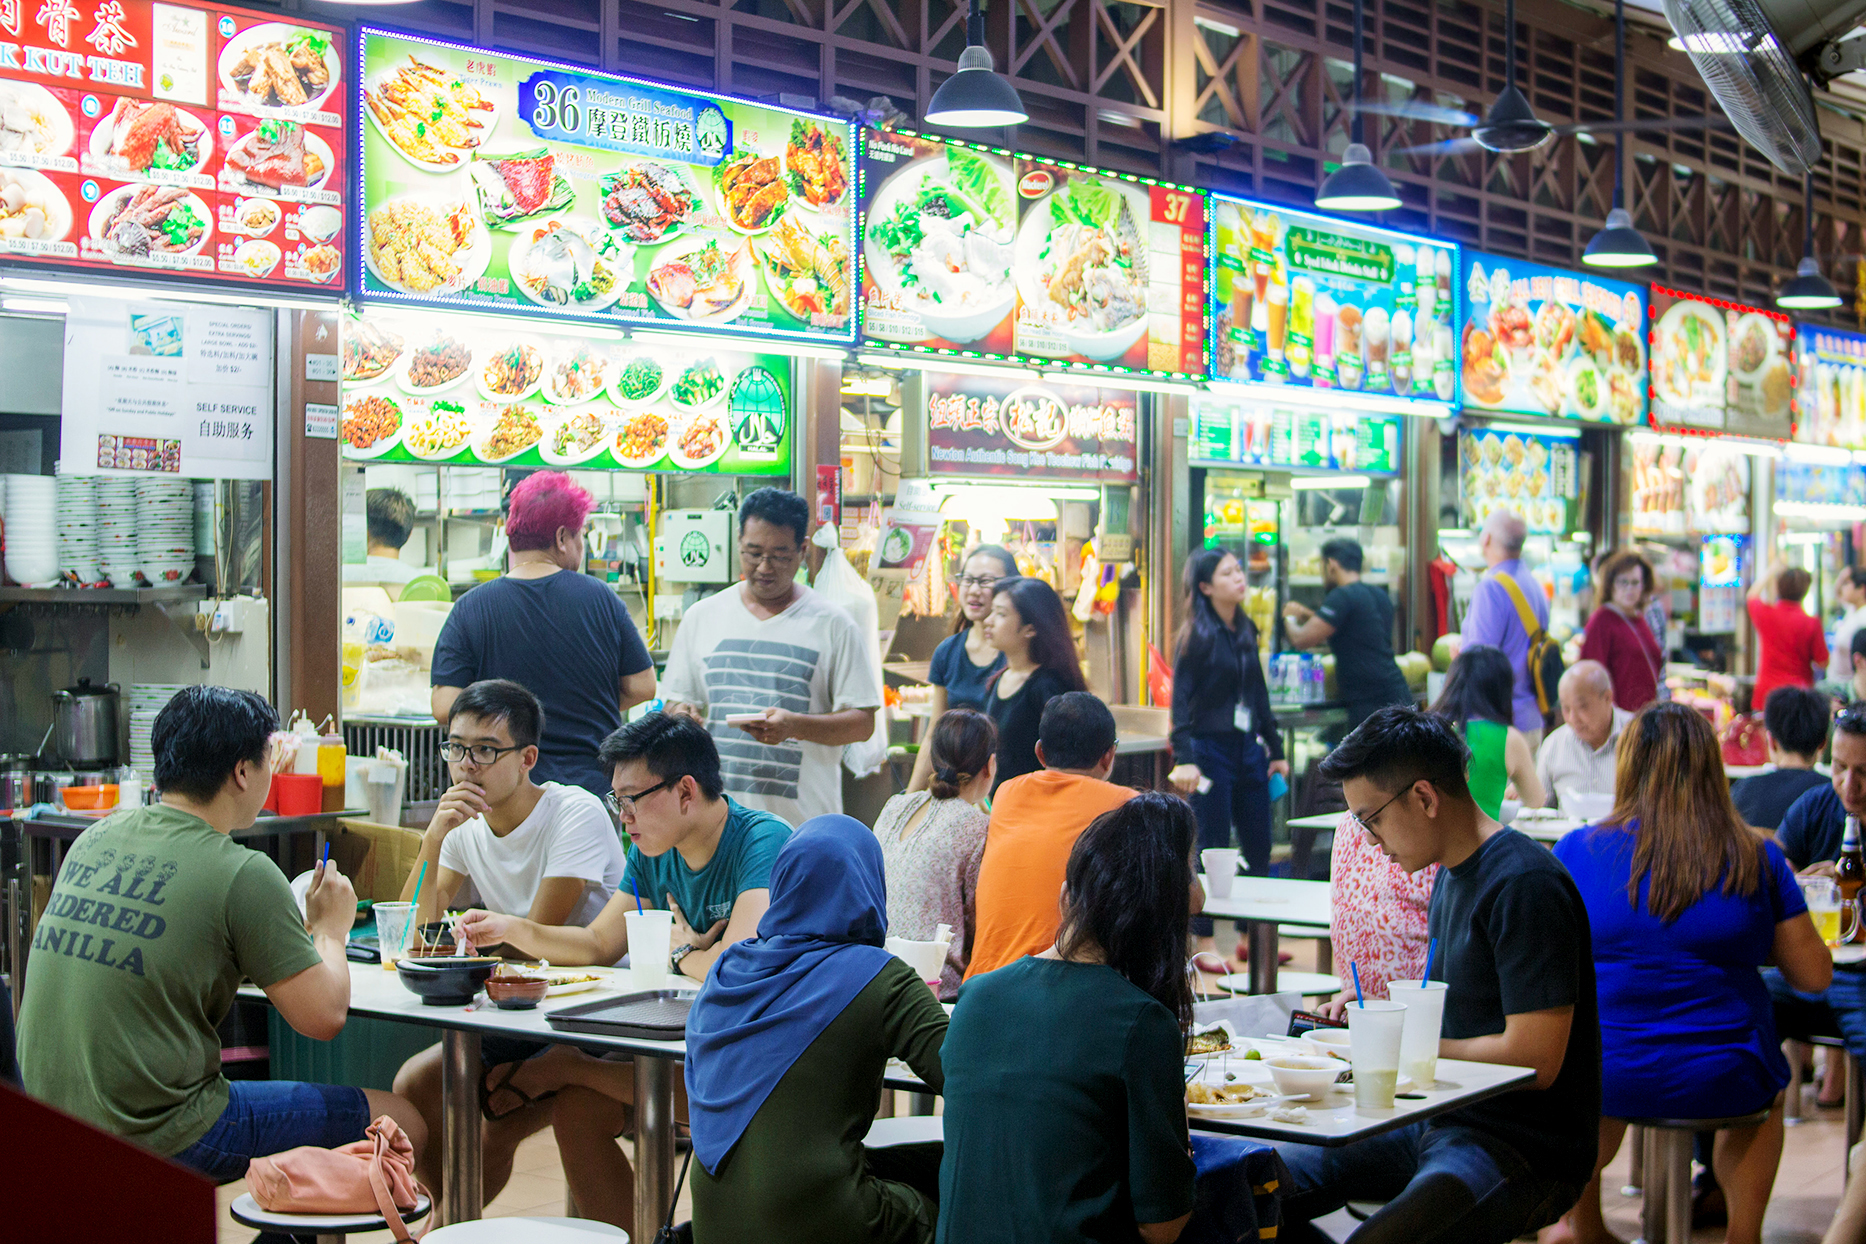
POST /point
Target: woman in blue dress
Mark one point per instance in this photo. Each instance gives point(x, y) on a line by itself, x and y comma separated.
point(964, 662)
point(1686, 904)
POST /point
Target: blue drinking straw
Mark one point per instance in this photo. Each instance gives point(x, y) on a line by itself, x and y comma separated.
point(1431, 948)
point(1359, 999)
point(636, 893)
point(326, 860)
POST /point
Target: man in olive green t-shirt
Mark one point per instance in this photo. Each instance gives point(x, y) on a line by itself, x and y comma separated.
point(156, 916)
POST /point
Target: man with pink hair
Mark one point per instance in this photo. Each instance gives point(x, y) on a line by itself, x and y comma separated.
point(560, 633)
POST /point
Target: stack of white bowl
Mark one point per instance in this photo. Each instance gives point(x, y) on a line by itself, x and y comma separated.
point(116, 529)
point(31, 529)
point(165, 529)
point(146, 701)
point(77, 528)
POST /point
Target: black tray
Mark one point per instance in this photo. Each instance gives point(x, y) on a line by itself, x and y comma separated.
point(654, 1015)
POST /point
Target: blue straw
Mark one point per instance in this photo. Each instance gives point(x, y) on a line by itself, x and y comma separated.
point(1431, 948)
point(636, 893)
point(1359, 999)
point(326, 860)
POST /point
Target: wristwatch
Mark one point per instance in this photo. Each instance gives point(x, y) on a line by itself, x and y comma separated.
point(680, 952)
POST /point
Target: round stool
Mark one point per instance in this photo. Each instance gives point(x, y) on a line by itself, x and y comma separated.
point(526, 1231)
point(1308, 984)
point(328, 1228)
point(908, 1129)
point(1665, 1209)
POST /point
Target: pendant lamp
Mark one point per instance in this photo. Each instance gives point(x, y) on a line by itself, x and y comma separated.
point(1809, 291)
point(975, 97)
point(1358, 185)
point(1618, 244)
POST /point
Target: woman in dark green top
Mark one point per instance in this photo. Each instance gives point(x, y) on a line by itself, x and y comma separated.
point(1476, 699)
point(786, 1047)
point(1065, 1096)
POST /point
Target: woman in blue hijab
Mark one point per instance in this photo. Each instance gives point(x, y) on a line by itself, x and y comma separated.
point(786, 1048)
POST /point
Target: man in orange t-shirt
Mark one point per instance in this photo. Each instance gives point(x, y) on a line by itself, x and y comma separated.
point(1035, 821)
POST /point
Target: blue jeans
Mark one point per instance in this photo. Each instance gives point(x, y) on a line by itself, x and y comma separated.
point(1837, 1011)
point(1440, 1182)
point(1239, 798)
point(264, 1117)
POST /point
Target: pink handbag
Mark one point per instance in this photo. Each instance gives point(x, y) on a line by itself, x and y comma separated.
point(373, 1175)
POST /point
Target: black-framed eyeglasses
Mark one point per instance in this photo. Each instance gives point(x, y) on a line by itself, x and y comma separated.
point(624, 805)
point(777, 561)
point(481, 753)
point(970, 581)
point(1365, 824)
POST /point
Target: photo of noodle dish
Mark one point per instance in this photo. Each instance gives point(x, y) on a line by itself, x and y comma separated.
point(1081, 263)
point(641, 439)
point(427, 246)
point(700, 441)
point(938, 242)
point(514, 430)
point(1688, 356)
point(575, 439)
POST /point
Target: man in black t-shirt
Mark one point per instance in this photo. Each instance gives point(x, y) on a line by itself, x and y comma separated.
point(1796, 721)
point(1356, 622)
point(1515, 953)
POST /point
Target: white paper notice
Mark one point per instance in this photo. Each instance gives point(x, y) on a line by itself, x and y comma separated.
point(227, 346)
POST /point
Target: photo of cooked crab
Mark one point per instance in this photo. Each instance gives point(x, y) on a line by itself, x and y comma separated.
point(648, 202)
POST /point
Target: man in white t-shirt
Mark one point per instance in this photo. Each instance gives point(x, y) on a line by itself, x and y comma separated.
point(548, 853)
point(780, 676)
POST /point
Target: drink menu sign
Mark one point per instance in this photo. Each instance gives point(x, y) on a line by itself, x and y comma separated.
point(1227, 433)
point(985, 252)
point(180, 139)
point(1313, 302)
point(523, 186)
point(981, 426)
point(1721, 365)
point(1830, 402)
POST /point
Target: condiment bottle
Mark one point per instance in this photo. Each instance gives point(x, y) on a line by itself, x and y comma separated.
point(305, 762)
point(332, 759)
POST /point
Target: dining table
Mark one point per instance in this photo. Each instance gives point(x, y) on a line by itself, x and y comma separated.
point(1261, 904)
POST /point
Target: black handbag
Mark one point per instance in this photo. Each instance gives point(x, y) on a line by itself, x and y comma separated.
point(669, 1233)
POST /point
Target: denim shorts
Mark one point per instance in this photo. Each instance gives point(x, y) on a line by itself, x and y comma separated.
point(264, 1117)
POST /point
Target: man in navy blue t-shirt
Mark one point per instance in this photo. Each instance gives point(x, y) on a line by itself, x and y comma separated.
point(561, 634)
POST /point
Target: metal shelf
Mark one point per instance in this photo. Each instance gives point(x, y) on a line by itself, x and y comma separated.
point(174, 603)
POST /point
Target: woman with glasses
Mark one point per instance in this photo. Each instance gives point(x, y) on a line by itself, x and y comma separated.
point(1028, 624)
point(1618, 635)
point(1476, 699)
point(1685, 904)
point(965, 661)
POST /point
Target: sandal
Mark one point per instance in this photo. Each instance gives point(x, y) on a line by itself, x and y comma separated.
point(487, 1089)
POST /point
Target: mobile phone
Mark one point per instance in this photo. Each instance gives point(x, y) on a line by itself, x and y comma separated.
point(1302, 1023)
point(741, 719)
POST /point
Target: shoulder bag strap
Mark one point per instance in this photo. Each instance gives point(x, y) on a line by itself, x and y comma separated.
point(1636, 626)
point(1531, 627)
point(385, 1202)
point(666, 1233)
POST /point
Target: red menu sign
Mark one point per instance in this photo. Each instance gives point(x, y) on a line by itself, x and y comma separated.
point(181, 139)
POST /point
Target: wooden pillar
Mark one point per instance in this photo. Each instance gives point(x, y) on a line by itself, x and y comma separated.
point(310, 537)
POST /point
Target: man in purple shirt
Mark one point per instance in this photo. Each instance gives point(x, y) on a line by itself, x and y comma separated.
point(1493, 618)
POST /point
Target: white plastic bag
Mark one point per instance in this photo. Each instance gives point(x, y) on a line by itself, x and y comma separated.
point(838, 582)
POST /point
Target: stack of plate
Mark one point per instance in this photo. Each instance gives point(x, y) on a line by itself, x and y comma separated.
point(116, 529)
point(165, 529)
point(31, 529)
point(77, 528)
point(204, 518)
point(146, 700)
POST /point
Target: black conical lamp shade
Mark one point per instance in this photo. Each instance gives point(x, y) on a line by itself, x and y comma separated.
point(976, 97)
point(1809, 291)
point(1619, 244)
point(1358, 185)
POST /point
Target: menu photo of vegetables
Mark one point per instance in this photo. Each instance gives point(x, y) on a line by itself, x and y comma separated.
point(1537, 477)
point(216, 148)
point(1541, 341)
point(540, 188)
point(1830, 401)
point(482, 392)
point(976, 249)
point(1721, 366)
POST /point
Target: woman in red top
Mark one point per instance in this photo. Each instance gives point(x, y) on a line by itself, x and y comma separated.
point(1617, 634)
point(1794, 650)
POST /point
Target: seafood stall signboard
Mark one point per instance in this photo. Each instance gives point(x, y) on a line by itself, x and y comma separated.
point(982, 426)
point(979, 251)
point(516, 185)
point(178, 140)
point(1720, 365)
point(1830, 402)
point(1316, 303)
point(1536, 476)
point(1543, 341)
point(469, 391)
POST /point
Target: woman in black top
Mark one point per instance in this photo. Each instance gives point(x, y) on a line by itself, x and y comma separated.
point(1028, 625)
point(964, 662)
point(1223, 729)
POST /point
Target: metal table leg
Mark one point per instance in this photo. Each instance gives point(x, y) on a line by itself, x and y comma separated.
point(1263, 956)
point(654, 1143)
point(460, 1130)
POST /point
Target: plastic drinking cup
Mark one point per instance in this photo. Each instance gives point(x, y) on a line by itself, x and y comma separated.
point(1221, 869)
point(1425, 1014)
point(393, 921)
point(650, 937)
point(1375, 1029)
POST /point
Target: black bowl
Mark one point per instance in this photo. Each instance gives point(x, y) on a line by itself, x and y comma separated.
point(445, 981)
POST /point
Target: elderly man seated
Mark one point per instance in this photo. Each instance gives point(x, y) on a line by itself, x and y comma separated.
point(1577, 758)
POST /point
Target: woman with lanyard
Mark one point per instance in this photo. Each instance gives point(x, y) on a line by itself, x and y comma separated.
point(1225, 739)
point(964, 662)
point(1620, 638)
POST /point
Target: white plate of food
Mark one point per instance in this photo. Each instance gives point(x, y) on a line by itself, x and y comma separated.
point(807, 270)
point(133, 222)
point(700, 385)
point(639, 379)
point(278, 156)
point(938, 239)
point(641, 438)
point(564, 982)
point(1238, 1100)
point(701, 439)
point(33, 122)
point(753, 191)
point(816, 161)
point(569, 263)
point(649, 202)
point(32, 208)
point(577, 373)
point(1587, 387)
point(372, 425)
point(1081, 265)
point(439, 363)
point(1212, 1040)
point(442, 434)
point(511, 373)
point(1689, 360)
point(574, 438)
point(255, 217)
point(427, 244)
point(139, 137)
point(369, 351)
point(430, 114)
point(1753, 342)
point(257, 257)
point(704, 278)
point(279, 68)
point(510, 429)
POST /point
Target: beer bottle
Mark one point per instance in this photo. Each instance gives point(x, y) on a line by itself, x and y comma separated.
point(1850, 875)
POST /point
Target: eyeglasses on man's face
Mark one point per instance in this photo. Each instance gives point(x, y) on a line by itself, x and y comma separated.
point(481, 754)
point(777, 559)
point(624, 805)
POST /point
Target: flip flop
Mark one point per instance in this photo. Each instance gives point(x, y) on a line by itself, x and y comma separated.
point(487, 1089)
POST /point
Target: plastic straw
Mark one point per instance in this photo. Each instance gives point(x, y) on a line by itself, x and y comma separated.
point(414, 917)
point(326, 860)
point(637, 893)
point(1431, 948)
point(1359, 998)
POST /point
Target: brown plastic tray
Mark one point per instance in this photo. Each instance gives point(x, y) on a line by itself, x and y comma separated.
point(653, 1015)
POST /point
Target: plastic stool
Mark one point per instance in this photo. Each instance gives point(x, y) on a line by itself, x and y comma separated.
point(1325, 947)
point(328, 1228)
point(911, 1129)
point(1665, 1211)
point(1853, 1103)
point(526, 1231)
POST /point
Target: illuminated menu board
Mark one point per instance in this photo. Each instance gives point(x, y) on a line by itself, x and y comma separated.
point(179, 139)
point(979, 251)
point(518, 185)
point(1830, 403)
point(1721, 365)
point(1316, 303)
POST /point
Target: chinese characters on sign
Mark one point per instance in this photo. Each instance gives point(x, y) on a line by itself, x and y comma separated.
point(983, 426)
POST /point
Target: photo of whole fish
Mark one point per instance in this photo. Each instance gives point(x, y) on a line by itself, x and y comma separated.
point(519, 187)
point(706, 283)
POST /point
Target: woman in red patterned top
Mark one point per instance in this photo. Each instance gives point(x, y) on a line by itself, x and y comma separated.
point(1378, 922)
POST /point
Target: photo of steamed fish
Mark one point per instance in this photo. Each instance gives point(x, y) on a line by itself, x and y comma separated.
point(706, 279)
point(939, 241)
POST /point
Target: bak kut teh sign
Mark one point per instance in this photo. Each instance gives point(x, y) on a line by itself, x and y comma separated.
point(984, 426)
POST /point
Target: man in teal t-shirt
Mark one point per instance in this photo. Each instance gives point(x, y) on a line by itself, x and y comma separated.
point(694, 852)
